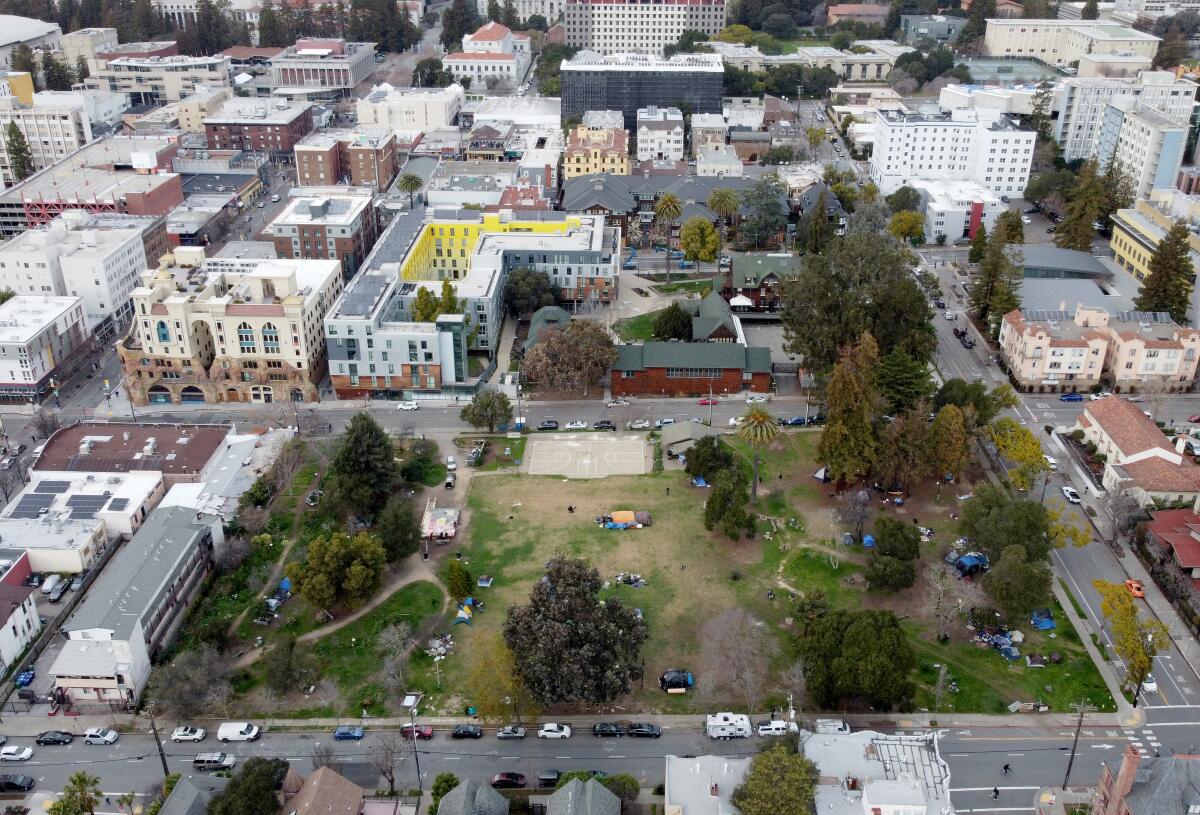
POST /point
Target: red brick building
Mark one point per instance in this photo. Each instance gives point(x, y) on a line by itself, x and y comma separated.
point(362, 157)
point(328, 222)
point(690, 369)
point(1148, 785)
point(259, 126)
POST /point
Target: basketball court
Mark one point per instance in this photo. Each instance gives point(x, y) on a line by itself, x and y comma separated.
point(586, 455)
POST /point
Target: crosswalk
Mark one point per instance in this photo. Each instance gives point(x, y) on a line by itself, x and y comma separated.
point(1144, 741)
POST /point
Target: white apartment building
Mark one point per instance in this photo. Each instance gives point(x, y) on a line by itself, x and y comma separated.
point(957, 209)
point(718, 160)
point(54, 128)
point(1062, 42)
point(659, 134)
point(96, 257)
point(404, 109)
point(1147, 146)
point(158, 80)
point(36, 34)
point(493, 51)
point(103, 107)
point(550, 9)
point(37, 336)
point(984, 146)
point(627, 26)
point(1080, 105)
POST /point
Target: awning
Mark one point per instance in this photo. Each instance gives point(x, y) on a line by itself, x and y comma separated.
point(740, 300)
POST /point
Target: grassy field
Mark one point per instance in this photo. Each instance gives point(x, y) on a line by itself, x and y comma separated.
point(688, 286)
point(636, 328)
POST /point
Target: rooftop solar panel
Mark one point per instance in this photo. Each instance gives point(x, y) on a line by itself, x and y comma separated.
point(118, 504)
point(53, 487)
point(32, 505)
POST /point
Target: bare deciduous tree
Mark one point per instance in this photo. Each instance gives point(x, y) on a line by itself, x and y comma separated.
point(395, 640)
point(795, 681)
point(734, 641)
point(191, 681)
point(854, 510)
point(324, 755)
point(389, 751)
point(939, 591)
point(939, 688)
point(289, 461)
point(232, 553)
point(44, 423)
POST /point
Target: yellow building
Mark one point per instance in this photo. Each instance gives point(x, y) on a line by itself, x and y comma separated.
point(20, 85)
point(1138, 231)
point(590, 151)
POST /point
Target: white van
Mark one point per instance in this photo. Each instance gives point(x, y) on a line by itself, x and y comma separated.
point(832, 726)
point(237, 731)
point(728, 726)
point(777, 728)
point(50, 583)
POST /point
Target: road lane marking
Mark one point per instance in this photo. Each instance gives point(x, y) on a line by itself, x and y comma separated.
point(1016, 754)
point(989, 789)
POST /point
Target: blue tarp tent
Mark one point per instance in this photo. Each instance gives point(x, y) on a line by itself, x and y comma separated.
point(1043, 620)
point(868, 541)
point(285, 584)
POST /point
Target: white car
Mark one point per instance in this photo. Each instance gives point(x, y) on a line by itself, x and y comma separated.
point(451, 464)
point(15, 753)
point(660, 423)
point(576, 425)
point(1051, 462)
point(1135, 398)
point(1149, 685)
point(618, 403)
point(949, 315)
point(100, 735)
point(551, 730)
point(408, 406)
point(1096, 397)
point(1070, 494)
point(755, 400)
point(187, 733)
point(736, 421)
point(1025, 220)
point(640, 424)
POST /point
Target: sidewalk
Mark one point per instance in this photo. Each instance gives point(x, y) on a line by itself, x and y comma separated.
point(1055, 800)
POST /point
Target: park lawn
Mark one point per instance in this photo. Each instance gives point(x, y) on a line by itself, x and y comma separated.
point(640, 327)
point(688, 286)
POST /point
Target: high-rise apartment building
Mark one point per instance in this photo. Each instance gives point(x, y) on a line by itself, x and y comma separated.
point(627, 82)
point(43, 338)
point(1147, 146)
point(1080, 105)
point(159, 80)
point(54, 128)
point(630, 26)
point(659, 134)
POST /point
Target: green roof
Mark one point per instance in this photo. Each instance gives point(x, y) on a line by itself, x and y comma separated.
point(544, 316)
point(633, 357)
point(749, 270)
point(709, 313)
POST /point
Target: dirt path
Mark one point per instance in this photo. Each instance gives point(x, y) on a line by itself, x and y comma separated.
point(415, 569)
point(272, 580)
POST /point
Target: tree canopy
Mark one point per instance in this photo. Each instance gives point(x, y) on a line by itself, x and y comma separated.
point(487, 409)
point(1168, 286)
point(339, 569)
point(399, 528)
point(847, 447)
point(708, 457)
point(363, 470)
point(572, 357)
point(779, 780)
point(699, 240)
point(527, 290)
point(252, 789)
point(858, 657)
point(672, 323)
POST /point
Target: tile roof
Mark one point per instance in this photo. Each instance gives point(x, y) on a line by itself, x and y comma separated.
point(639, 357)
point(1157, 475)
point(493, 31)
point(1130, 430)
point(1179, 529)
point(326, 793)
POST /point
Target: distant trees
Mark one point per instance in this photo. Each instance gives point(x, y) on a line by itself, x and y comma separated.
point(458, 21)
point(487, 409)
point(569, 647)
point(339, 569)
point(55, 75)
point(429, 73)
point(363, 470)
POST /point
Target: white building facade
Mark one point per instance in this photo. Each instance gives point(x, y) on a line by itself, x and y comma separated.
point(1147, 146)
point(54, 128)
point(158, 80)
point(659, 134)
point(626, 26)
point(37, 336)
point(1080, 105)
point(404, 109)
point(1062, 42)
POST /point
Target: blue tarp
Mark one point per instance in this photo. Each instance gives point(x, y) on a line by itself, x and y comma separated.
point(699, 482)
point(285, 584)
point(1010, 653)
point(1043, 620)
point(868, 541)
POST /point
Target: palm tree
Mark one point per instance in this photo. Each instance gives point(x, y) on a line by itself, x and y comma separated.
point(724, 202)
point(410, 183)
point(758, 429)
point(79, 796)
point(666, 213)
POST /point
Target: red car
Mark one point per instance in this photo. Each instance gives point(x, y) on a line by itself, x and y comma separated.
point(709, 400)
point(1135, 588)
point(421, 731)
point(1194, 419)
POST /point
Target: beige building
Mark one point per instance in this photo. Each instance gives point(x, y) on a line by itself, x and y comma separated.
point(54, 128)
point(86, 43)
point(1062, 42)
point(252, 334)
point(196, 107)
point(411, 108)
point(1053, 351)
point(157, 80)
point(591, 151)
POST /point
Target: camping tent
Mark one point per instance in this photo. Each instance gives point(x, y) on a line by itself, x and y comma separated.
point(643, 518)
point(624, 517)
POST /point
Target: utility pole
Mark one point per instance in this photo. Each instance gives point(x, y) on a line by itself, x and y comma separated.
point(154, 729)
point(1081, 708)
point(710, 403)
point(412, 714)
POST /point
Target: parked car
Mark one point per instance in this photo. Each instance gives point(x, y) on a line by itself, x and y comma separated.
point(548, 779)
point(548, 424)
point(1025, 220)
point(1071, 397)
point(54, 737)
point(100, 735)
point(1096, 397)
point(77, 581)
point(407, 406)
point(451, 464)
point(794, 421)
point(1135, 588)
point(553, 730)
point(1051, 462)
point(755, 399)
point(644, 730)
point(710, 400)
point(618, 403)
point(347, 732)
point(659, 424)
point(1052, 229)
point(466, 731)
point(15, 783)
point(949, 315)
point(187, 733)
point(640, 424)
point(1070, 494)
point(15, 752)
point(604, 424)
point(420, 731)
point(58, 591)
point(604, 729)
point(508, 781)
point(576, 425)
point(511, 731)
point(939, 303)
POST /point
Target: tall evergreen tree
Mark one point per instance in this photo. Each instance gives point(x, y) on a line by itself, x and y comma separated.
point(304, 18)
point(1118, 189)
point(848, 446)
point(146, 23)
point(1006, 287)
point(978, 245)
point(81, 68)
point(509, 16)
point(1168, 287)
point(23, 60)
point(1084, 209)
point(19, 160)
point(457, 21)
point(67, 9)
point(819, 228)
point(270, 27)
point(1091, 10)
point(1009, 228)
point(494, 13)
point(977, 19)
point(89, 15)
point(56, 76)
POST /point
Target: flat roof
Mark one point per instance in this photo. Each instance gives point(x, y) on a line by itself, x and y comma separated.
point(591, 61)
point(888, 769)
point(365, 136)
point(264, 250)
point(253, 111)
point(321, 209)
point(25, 316)
point(79, 496)
point(84, 175)
point(690, 779)
point(179, 450)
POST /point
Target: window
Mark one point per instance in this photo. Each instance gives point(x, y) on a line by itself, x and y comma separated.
point(246, 339)
point(270, 339)
point(163, 331)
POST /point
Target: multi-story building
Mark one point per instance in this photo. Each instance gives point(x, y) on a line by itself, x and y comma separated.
point(37, 34)
point(182, 13)
point(19, 620)
point(551, 10)
point(337, 223)
point(596, 151)
point(85, 43)
point(197, 107)
point(984, 146)
point(259, 126)
point(251, 334)
point(158, 80)
point(102, 107)
point(53, 128)
point(1147, 146)
point(97, 257)
point(630, 27)
point(659, 134)
point(494, 52)
point(322, 68)
point(690, 369)
point(957, 209)
point(627, 82)
point(1137, 232)
point(375, 347)
point(930, 29)
point(1079, 104)
point(707, 129)
point(41, 338)
point(134, 609)
point(149, 48)
point(411, 108)
point(361, 157)
point(718, 160)
point(755, 282)
point(1072, 351)
point(1062, 42)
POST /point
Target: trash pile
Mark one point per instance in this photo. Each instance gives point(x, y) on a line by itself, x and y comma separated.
point(991, 632)
point(624, 520)
point(631, 579)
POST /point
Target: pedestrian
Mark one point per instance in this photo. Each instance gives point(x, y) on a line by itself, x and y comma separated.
point(668, 490)
point(107, 800)
point(1007, 769)
point(995, 793)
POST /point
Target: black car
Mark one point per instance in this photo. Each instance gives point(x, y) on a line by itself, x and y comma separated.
point(508, 781)
point(466, 731)
point(967, 342)
point(960, 333)
point(604, 424)
point(548, 778)
point(549, 424)
point(1052, 228)
point(608, 729)
point(1033, 210)
point(54, 737)
point(15, 783)
point(644, 730)
point(939, 303)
